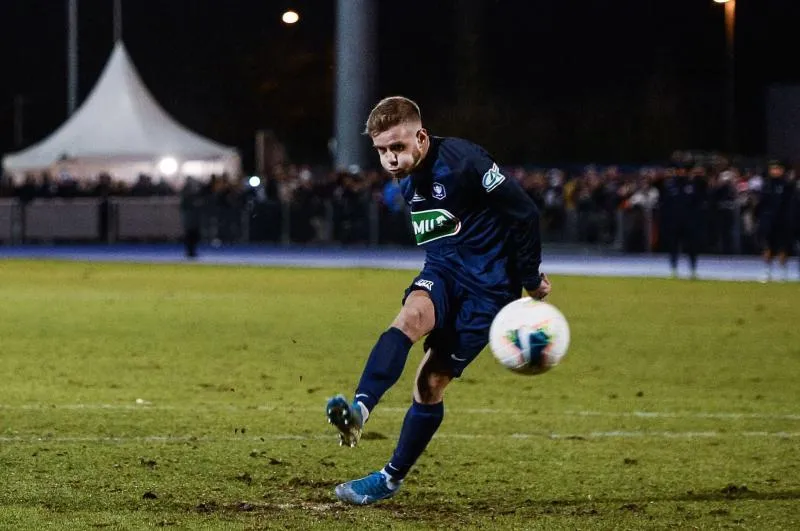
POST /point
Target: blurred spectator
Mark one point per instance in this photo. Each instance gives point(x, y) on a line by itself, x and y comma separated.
point(143, 187)
point(306, 211)
point(29, 189)
point(351, 210)
point(775, 217)
point(554, 206)
point(796, 220)
point(191, 213)
point(226, 199)
point(620, 206)
point(724, 223)
point(47, 188)
point(683, 197)
point(102, 190)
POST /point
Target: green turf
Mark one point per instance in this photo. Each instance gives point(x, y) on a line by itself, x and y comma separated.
point(678, 405)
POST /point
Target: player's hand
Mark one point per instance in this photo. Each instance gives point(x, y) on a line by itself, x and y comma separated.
point(543, 290)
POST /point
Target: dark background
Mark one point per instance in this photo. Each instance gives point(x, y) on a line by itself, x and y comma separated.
point(536, 81)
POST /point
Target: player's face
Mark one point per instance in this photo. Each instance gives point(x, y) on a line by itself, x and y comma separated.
point(775, 171)
point(401, 148)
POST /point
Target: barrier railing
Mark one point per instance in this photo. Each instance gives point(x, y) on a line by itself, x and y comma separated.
point(61, 219)
point(8, 218)
point(318, 221)
point(147, 218)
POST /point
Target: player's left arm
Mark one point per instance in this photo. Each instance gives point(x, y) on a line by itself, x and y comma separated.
point(510, 199)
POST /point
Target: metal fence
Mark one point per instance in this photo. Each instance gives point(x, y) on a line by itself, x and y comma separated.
point(347, 220)
point(8, 216)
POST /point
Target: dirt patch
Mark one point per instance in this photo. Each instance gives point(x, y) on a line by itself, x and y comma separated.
point(314, 484)
point(245, 477)
point(736, 491)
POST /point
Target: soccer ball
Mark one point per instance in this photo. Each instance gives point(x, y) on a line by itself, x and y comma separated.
point(529, 336)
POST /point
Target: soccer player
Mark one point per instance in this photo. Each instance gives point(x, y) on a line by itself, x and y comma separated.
point(682, 197)
point(775, 218)
point(796, 221)
point(480, 232)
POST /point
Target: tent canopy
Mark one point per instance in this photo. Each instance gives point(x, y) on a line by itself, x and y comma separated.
point(122, 130)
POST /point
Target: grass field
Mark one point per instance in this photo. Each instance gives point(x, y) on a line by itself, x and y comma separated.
point(138, 396)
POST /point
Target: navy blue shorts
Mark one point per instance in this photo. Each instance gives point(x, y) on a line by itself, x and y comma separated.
point(777, 236)
point(463, 319)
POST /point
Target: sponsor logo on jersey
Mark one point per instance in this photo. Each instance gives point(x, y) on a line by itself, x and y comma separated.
point(433, 224)
point(438, 191)
point(427, 284)
point(492, 178)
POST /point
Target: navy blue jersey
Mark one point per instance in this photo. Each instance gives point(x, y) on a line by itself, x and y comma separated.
point(796, 211)
point(775, 199)
point(473, 220)
point(682, 198)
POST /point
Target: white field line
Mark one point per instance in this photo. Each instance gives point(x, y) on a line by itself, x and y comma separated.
point(145, 407)
point(684, 415)
point(468, 436)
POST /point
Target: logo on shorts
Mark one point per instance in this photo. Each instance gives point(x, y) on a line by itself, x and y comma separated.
point(431, 225)
point(427, 284)
point(492, 178)
point(439, 191)
point(456, 358)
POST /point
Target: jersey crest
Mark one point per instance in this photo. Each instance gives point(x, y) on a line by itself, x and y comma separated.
point(433, 224)
point(492, 178)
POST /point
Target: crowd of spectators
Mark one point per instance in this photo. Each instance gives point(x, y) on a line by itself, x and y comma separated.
point(608, 205)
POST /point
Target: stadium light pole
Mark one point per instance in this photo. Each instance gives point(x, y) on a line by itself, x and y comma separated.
point(72, 56)
point(117, 21)
point(730, 90)
point(356, 63)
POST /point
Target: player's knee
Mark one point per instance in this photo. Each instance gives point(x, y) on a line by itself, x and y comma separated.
point(413, 321)
point(408, 321)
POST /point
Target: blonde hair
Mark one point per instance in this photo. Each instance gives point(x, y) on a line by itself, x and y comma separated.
point(392, 111)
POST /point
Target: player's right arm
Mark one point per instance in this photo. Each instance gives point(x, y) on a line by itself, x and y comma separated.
point(511, 200)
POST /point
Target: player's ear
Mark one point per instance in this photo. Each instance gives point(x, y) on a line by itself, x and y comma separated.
point(422, 136)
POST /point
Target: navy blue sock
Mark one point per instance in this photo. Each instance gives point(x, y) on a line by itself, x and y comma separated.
point(384, 366)
point(421, 422)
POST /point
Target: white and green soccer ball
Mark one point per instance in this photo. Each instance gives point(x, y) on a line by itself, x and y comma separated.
point(529, 336)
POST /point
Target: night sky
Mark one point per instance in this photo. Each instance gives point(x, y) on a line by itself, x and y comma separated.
point(535, 81)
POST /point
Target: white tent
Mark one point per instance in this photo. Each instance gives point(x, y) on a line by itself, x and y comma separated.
point(121, 129)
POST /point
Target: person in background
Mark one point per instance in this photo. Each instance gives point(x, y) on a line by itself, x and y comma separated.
point(191, 213)
point(774, 213)
point(682, 197)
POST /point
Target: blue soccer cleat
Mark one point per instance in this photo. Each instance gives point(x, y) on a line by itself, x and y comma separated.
point(347, 419)
point(367, 490)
